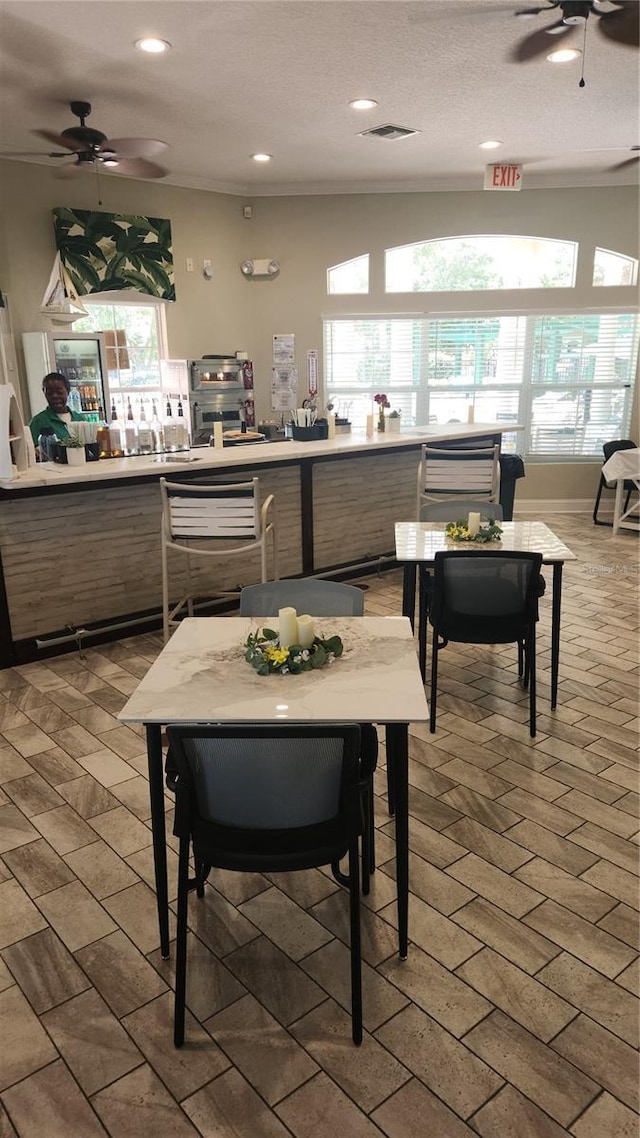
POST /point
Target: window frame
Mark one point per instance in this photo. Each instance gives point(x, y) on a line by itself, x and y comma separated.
point(127, 299)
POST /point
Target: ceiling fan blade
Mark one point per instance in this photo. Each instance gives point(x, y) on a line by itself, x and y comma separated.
point(537, 43)
point(623, 25)
point(627, 162)
point(140, 168)
point(72, 169)
point(524, 12)
point(134, 147)
point(58, 140)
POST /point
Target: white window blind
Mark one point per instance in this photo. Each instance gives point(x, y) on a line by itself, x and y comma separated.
point(567, 378)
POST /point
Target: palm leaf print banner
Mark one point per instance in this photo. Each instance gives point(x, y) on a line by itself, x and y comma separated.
point(107, 252)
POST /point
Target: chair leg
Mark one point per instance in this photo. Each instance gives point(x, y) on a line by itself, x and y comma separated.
point(527, 666)
point(601, 485)
point(165, 593)
point(520, 660)
point(181, 942)
point(356, 961)
point(531, 656)
point(423, 612)
point(434, 682)
point(189, 586)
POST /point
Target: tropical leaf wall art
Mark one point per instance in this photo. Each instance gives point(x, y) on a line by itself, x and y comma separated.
point(107, 252)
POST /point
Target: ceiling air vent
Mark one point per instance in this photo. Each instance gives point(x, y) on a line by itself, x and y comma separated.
point(389, 131)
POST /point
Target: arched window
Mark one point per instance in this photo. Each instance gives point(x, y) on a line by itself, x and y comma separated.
point(349, 277)
point(474, 264)
point(610, 268)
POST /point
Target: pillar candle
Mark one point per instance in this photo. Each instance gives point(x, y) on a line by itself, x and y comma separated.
point(288, 627)
point(470, 413)
point(369, 427)
point(306, 631)
point(474, 524)
point(218, 440)
point(331, 426)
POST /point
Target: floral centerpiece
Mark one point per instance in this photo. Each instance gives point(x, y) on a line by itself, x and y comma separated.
point(382, 402)
point(267, 656)
point(460, 531)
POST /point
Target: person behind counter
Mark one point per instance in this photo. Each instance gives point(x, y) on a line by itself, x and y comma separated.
point(56, 415)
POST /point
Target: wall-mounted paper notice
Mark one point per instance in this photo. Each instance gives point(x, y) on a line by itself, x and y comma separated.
point(284, 388)
point(284, 348)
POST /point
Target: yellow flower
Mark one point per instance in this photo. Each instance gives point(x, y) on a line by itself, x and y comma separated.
point(276, 656)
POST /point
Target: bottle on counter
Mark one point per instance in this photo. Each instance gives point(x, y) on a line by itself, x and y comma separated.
point(145, 433)
point(157, 432)
point(130, 432)
point(182, 429)
point(74, 401)
point(103, 439)
point(116, 433)
point(170, 433)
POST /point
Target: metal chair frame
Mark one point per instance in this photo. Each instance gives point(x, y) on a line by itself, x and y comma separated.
point(448, 474)
point(227, 514)
point(609, 449)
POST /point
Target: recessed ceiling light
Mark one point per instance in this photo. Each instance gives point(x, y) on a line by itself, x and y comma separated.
point(564, 55)
point(491, 144)
point(262, 157)
point(153, 46)
point(363, 104)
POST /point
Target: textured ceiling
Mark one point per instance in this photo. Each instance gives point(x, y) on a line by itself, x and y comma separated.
point(277, 76)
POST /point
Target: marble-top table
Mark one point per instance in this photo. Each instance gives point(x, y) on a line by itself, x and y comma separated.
point(418, 542)
point(201, 676)
point(624, 466)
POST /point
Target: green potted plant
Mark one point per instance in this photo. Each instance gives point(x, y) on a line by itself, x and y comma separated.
point(393, 421)
point(74, 447)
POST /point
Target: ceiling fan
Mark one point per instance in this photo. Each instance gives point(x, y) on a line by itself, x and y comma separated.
point(92, 149)
point(619, 23)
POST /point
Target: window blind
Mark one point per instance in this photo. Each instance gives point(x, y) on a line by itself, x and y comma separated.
point(567, 378)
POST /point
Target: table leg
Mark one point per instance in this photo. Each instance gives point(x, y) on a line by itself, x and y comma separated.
point(398, 754)
point(617, 509)
point(555, 629)
point(156, 793)
point(409, 591)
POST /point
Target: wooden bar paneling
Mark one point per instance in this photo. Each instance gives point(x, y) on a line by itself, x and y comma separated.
point(74, 559)
point(356, 502)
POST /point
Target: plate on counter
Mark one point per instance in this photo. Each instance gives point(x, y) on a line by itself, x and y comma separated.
point(235, 437)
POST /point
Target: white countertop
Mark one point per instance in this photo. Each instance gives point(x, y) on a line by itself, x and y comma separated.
point(201, 675)
point(254, 454)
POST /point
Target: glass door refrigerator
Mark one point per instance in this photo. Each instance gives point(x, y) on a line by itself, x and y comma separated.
point(81, 358)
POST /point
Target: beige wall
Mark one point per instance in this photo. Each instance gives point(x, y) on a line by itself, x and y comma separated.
point(307, 235)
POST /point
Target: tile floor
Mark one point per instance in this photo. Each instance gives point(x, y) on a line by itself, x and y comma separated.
point(515, 1015)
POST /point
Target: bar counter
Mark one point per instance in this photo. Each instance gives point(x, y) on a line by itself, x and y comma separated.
point(80, 547)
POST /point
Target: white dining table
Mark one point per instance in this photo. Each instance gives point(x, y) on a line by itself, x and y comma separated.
point(624, 466)
point(201, 676)
point(418, 542)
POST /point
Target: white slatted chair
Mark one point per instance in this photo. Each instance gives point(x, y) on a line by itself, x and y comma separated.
point(444, 474)
point(225, 520)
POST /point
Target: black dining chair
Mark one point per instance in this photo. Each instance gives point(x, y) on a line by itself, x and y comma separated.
point(609, 449)
point(317, 597)
point(267, 798)
point(486, 597)
point(450, 511)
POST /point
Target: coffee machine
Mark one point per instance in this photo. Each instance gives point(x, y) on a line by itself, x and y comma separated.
point(217, 393)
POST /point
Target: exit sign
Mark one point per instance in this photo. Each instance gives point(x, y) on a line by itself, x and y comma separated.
point(502, 177)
